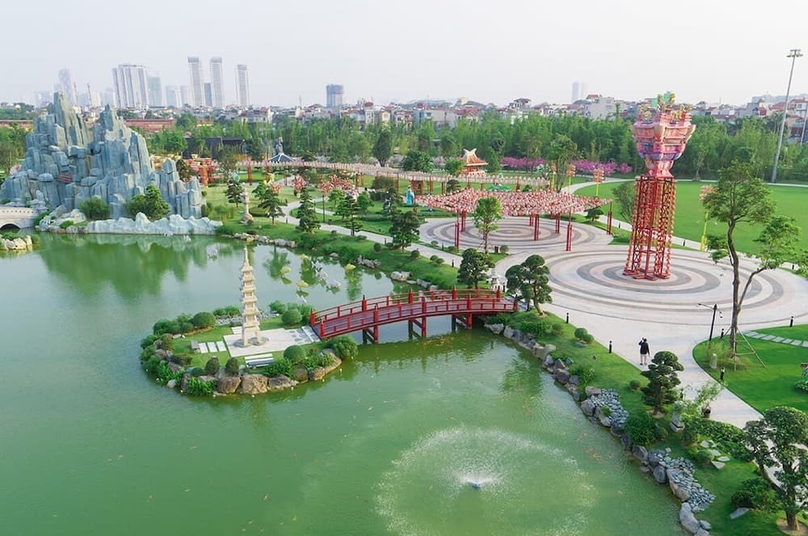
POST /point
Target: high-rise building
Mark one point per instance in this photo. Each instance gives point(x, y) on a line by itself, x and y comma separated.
point(242, 86)
point(155, 91)
point(576, 92)
point(187, 95)
point(197, 81)
point(216, 83)
point(68, 87)
point(174, 96)
point(208, 91)
point(333, 96)
point(131, 87)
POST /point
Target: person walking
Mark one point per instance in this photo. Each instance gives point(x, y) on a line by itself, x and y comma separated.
point(645, 351)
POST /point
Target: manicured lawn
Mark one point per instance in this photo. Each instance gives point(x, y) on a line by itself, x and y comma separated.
point(773, 385)
point(689, 216)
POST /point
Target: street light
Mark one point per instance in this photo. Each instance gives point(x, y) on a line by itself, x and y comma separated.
point(712, 323)
point(793, 54)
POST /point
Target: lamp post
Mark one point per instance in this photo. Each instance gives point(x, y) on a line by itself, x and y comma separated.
point(793, 54)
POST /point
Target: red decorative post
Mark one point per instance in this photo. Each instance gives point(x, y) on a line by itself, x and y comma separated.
point(609, 219)
point(661, 133)
point(536, 227)
point(569, 234)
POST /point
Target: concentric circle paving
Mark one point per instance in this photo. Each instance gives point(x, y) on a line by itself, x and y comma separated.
point(592, 281)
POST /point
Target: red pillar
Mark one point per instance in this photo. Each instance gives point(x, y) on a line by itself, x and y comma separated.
point(312, 319)
point(569, 234)
point(536, 227)
point(558, 223)
point(457, 230)
point(609, 219)
point(454, 293)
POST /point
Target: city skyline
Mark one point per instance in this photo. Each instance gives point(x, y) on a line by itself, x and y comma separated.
point(519, 50)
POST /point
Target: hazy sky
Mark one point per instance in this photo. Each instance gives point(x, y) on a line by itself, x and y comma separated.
point(490, 51)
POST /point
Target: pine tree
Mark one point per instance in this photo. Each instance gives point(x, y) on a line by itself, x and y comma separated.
point(307, 213)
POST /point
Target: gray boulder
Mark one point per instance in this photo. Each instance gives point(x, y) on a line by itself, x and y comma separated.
point(660, 474)
point(640, 452)
point(300, 374)
point(279, 383)
point(588, 407)
point(678, 484)
point(317, 374)
point(253, 384)
point(496, 329)
point(228, 384)
point(548, 362)
point(591, 391)
point(561, 375)
point(625, 440)
point(508, 332)
point(687, 519)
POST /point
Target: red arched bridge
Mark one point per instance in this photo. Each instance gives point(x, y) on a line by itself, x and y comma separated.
point(368, 314)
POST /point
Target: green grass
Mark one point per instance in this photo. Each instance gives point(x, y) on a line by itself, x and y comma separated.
point(689, 216)
point(764, 387)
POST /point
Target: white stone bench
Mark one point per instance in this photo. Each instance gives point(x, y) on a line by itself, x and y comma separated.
point(255, 363)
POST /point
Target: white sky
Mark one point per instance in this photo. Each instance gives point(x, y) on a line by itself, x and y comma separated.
point(489, 51)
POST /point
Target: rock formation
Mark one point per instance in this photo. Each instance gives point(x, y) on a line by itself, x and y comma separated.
point(64, 165)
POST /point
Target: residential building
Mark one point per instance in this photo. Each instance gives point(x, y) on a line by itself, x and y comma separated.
point(599, 107)
point(131, 87)
point(333, 96)
point(243, 86)
point(68, 87)
point(197, 82)
point(208, 98)
point(174, 96)
point(155, 91)
point(216, 83)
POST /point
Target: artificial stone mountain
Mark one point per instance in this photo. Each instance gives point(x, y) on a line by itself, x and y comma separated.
point(65, 166)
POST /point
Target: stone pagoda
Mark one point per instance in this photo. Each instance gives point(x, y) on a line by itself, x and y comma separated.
point(250, 324)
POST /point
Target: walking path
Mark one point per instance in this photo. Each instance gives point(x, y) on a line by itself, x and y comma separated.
point(673, 314)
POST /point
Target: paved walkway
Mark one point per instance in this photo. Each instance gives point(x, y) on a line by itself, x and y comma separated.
point(673, 314)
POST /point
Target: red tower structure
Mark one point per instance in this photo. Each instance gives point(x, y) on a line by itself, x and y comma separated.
point(661, 133)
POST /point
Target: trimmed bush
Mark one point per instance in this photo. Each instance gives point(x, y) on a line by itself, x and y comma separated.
point(414, 254)
point(377, 247)
point(165, 326)
point(291, 316)
point(167, 342)
point(640, 428)
point(232, 366)
point(558, 328)
point(503, 248)
point(294, 353)
point(588, 338)
point(152, 364)
point(203, 320)
point(277, 307)
point(635, 385)
point(755, 493)
point(580, 333)
point(345, 347)
point(212, 366)
point(148, 341)
point(704, 457)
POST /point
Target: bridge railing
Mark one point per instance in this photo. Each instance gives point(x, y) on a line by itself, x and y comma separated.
point(380, 302)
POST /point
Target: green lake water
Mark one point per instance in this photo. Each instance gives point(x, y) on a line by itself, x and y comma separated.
point(389, 444)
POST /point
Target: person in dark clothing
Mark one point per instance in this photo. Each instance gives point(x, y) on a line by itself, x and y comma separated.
point(645, 351)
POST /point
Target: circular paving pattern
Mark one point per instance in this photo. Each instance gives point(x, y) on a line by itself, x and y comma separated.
point(592, 280)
